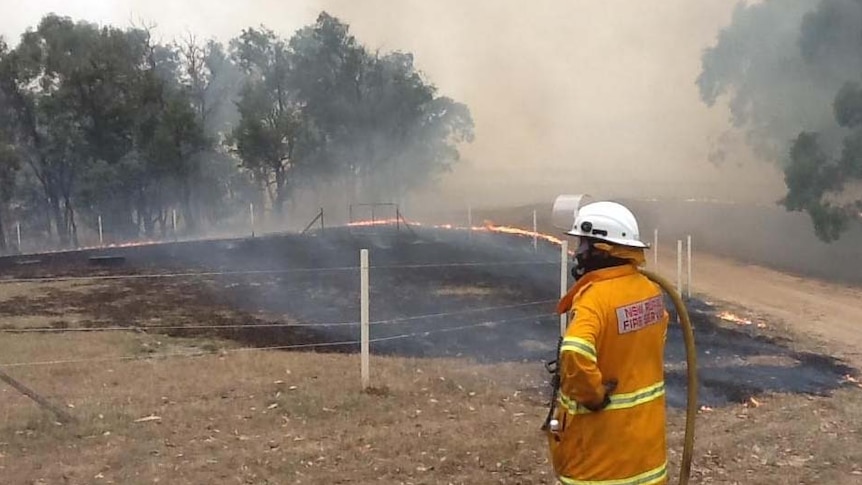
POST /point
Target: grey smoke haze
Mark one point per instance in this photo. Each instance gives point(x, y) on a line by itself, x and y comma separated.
point(780, 65)
point(567, 96)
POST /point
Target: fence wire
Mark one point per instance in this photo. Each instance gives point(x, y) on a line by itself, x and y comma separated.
point(391, 321)
point(426, 333)
point(273, 272)
point(198, 274)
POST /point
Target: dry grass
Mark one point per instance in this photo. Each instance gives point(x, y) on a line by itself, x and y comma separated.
point(785, 439)
point(258, 417)
point(252, 417)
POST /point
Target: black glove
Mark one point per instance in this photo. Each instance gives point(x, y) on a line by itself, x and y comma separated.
point(610, 386)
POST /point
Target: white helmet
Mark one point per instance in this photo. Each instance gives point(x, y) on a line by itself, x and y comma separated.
point(608, 221)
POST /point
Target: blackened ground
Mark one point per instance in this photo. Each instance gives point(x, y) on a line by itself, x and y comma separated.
point(434, 293)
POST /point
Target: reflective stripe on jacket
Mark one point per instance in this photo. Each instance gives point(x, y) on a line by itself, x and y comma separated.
point(618, 332)
point(658, 475)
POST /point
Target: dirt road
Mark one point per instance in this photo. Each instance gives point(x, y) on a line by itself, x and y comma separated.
point(828, 313)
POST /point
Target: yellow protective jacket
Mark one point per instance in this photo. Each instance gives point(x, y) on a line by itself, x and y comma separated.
point(617, 333)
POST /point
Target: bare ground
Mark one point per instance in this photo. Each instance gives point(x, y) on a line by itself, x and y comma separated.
point(195, 408)
point(827, 314)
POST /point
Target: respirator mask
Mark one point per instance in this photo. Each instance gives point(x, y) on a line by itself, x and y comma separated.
point(582, 254)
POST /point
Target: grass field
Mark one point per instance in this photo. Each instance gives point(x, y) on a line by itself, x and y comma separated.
point(197, 408)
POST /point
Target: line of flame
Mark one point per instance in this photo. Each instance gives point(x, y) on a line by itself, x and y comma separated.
point(488, 227)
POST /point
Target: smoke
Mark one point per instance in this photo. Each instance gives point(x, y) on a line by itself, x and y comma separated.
point(572, 97)
point(779, 65)
point(566, 96)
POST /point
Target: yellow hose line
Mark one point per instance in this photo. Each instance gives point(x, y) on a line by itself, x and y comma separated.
point(691, 372)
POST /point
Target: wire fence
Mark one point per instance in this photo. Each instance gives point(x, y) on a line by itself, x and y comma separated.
point(422, 328)
point(157, 328)
point(200, 274)
point(419, 334)
point(413, 327)
point(340, 343)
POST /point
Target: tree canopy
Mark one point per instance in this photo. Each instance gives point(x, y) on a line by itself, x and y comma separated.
point(105, 122)
point(790, 70)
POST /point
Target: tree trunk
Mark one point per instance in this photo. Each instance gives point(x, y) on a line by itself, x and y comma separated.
point(280, 193)
point(47, 221)
point(260, 198)
point(59, 221)
point(149, 229)
point(163, 223)
point(3, 247)
point(135, 230)
point(69, 215)
point(149, 224)
point(268, 192)
point(144, 224)
point(188, 216)
point(73, 228)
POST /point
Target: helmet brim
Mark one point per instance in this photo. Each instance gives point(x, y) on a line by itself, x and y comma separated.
point(619, 242)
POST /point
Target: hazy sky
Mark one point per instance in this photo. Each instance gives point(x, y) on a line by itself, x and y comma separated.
point(567, 95)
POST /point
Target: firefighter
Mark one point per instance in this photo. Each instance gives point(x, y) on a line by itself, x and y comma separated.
point(608, 423)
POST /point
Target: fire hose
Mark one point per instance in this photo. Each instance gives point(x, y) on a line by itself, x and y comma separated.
point(691, 373)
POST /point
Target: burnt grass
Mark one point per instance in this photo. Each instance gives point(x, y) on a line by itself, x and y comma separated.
point(433, 293)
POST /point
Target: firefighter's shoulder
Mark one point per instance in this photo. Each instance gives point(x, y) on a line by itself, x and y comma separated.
point(583, 290)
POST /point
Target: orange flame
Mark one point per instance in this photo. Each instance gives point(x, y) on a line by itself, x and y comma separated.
point(380, 222)
point(730, 317)
point(520, 232)
point(130, 244)
point(487, 227)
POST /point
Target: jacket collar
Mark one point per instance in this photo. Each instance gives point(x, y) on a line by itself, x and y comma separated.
point(588, 279)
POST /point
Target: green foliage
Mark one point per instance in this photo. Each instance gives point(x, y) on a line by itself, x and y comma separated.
point(779, 64)
point(102, 121)
point(809, 177)
point(816, 181)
